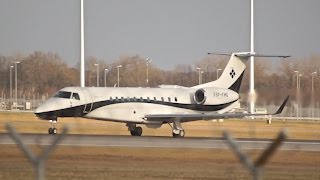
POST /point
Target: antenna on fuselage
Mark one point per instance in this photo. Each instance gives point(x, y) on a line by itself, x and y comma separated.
point(82, 72)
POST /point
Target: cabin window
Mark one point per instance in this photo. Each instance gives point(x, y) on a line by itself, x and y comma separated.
point(63, 94)
point(175, 99)
point(75, 96)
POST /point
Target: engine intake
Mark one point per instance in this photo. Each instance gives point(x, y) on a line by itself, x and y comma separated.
point(200, 96)
point(214, 96)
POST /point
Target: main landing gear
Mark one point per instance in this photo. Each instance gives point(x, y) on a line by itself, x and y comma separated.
point(177, 130)
point(52, 130)
point(134, 130)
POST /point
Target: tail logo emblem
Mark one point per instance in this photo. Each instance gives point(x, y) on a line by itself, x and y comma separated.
point(232, 73)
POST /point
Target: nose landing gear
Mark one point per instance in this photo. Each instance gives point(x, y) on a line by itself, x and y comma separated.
point(52, 130)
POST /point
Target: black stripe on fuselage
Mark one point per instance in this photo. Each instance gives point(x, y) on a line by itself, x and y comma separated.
point(78, 111)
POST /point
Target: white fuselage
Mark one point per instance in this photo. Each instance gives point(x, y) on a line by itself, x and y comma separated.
point(133, 104)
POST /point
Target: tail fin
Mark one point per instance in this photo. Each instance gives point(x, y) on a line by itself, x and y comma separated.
point(232, 75)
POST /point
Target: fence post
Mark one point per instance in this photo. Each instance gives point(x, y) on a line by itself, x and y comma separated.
point(38, 162)
point(255, 168)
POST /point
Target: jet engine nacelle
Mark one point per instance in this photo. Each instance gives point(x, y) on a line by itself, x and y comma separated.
point(214, 96)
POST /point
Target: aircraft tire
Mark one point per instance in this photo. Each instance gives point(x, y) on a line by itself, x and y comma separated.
point(54, 130)
point(133, 133)
point(50, 131)
point(180, 135)
point(138, 131)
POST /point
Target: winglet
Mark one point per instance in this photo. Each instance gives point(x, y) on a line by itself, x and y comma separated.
point(282, 106)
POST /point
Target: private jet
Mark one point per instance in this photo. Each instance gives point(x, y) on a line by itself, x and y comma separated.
point(153, 107)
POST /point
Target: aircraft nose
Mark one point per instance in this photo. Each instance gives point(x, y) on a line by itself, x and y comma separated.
point(46, 106)
point(39, 110)
point(44, 111)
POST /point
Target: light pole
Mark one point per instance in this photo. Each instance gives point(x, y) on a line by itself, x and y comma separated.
point(82, 68)
point(218, 72)
point(252, 94)
point(312, 92)
point(148, 61)
point(119, 66)
point(11, 67)
point(201, 77)
point(297, 72)
point(105, 76)
point(97, 65)
point(199, 70)
point(16, 81)
point(300, 112)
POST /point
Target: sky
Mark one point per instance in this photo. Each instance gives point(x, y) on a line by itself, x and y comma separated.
point(169, 32)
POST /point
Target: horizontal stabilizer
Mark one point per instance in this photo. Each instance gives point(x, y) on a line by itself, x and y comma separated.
point(249, 54)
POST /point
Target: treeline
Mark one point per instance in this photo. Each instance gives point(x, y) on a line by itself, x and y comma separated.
point(42, 74)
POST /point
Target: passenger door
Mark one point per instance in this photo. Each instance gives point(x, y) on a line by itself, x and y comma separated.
point(88, 101)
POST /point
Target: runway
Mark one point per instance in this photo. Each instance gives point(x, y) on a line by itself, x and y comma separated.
point(157, 142)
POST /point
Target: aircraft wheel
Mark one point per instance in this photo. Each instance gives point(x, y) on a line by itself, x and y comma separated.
point(50, 130)
point(180, 134)
point(138, 131)
point(133, 133)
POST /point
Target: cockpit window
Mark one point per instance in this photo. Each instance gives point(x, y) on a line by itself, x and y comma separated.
point(63, 94)
point(75, 96)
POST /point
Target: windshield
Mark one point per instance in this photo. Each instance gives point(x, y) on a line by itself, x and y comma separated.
point(63, 94)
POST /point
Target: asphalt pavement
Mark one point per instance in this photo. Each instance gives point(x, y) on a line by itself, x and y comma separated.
point(158, 142)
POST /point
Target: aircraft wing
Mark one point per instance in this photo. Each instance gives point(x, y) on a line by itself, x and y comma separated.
point(204, 116)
